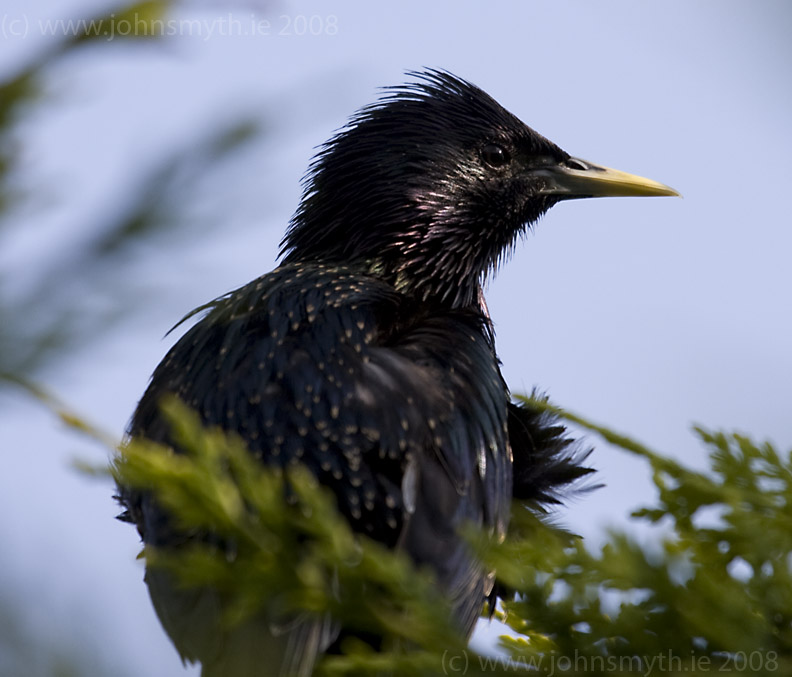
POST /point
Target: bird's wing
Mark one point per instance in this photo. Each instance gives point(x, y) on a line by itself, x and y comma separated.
point(460, 471)
point(401, 413)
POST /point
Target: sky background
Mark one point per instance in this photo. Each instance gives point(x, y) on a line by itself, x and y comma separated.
point(648, 315)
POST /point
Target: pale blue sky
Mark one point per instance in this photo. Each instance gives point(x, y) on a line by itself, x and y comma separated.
point(645, 314)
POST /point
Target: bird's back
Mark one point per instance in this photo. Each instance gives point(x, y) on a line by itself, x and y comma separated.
point(398, 407)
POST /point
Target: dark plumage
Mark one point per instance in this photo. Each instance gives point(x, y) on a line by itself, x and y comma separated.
point(368, 354)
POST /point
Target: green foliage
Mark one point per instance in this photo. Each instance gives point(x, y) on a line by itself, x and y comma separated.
point(712, 594)
point(287, 548)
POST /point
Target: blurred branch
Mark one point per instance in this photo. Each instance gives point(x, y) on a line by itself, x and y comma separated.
point(68, 416)
point(55, 308)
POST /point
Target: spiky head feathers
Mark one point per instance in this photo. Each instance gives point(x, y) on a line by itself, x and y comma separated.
point(431, 184)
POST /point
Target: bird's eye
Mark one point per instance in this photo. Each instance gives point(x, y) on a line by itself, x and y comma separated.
point(494, 155)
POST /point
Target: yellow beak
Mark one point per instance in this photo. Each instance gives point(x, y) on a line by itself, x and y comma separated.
point(577, 178)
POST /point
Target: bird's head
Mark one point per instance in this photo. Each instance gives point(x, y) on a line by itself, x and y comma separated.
point(431, 185)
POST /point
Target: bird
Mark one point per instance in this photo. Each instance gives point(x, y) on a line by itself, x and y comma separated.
point(368, 356)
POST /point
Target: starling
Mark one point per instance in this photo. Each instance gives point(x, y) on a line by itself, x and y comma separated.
point(368, 354)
